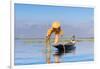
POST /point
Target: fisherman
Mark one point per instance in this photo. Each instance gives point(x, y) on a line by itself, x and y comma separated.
point(56, 29)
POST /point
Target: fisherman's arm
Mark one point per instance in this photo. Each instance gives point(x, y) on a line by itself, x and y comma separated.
point(61, 32)
point(49, 32)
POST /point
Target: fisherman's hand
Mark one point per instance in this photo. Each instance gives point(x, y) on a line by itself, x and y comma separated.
point(47, 37)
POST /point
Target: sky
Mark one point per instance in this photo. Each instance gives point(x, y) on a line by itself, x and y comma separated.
point(77, 20)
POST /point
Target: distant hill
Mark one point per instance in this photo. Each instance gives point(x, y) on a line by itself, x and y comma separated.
point(30, 30)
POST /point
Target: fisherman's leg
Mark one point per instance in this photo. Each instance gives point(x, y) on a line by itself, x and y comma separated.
point(56, 39)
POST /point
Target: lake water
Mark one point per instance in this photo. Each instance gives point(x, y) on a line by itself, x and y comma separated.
point(35, 53)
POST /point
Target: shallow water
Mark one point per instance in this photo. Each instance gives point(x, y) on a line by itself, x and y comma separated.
point(35, 53)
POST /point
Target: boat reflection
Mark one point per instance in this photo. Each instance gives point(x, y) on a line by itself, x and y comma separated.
point(58, 53)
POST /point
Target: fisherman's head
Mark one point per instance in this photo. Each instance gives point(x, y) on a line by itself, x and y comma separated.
point(56, 25)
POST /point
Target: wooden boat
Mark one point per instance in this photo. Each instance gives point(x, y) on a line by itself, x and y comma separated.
point(64, 48)
point(67, 47)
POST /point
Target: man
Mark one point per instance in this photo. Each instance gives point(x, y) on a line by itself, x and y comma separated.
point(56, 29)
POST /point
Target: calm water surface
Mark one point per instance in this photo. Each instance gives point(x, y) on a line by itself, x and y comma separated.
point(35, 53)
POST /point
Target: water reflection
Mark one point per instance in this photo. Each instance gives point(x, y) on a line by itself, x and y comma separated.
point(48, 51)
point(48, 55)
point(58, 53)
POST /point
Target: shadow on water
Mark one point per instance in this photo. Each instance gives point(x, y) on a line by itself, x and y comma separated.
point(59, 53)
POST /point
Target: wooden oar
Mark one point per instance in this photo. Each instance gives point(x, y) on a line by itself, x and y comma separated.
point(48, 43)
point(48, 53)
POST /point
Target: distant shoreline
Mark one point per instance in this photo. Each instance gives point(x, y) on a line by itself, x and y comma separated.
point(53, 38)
point(42, 40)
